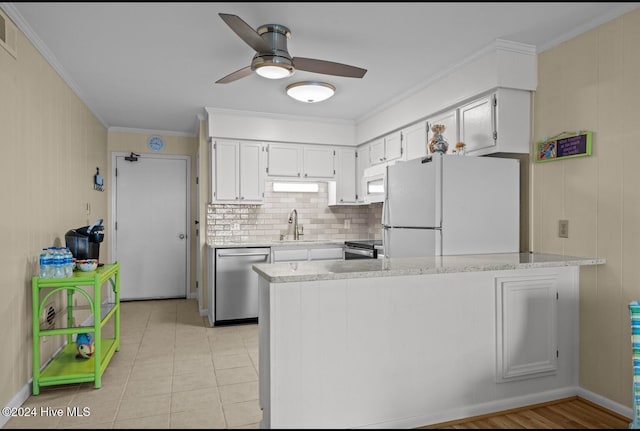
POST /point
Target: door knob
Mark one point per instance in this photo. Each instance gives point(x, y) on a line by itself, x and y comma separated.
point(181, 236)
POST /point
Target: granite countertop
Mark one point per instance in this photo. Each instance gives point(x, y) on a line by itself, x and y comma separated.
point(280, 243)
point(367, 268)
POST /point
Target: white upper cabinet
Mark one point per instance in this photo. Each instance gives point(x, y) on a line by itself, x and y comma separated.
point(449, 119)
point(362, 163)
point(498, 122)
point(478, 125)
point(386, 149)
point(318, 162)
point(344, 191)
point(300, 161)
point(284, 160)
point(237, 175)
point(414, 140)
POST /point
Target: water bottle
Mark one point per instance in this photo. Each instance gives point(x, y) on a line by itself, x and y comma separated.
point(68, 262)
point(58, 263)
point(45, 264)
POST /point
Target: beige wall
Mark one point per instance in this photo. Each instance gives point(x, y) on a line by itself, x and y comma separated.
point(51, 145)
point(127, 142)
point(592, 83)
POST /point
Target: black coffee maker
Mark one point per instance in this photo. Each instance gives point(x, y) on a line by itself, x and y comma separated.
point(84, 242)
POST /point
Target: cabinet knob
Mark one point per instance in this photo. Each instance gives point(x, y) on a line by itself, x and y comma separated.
point(305, 175)
point(241, 197)
point(382, 159)
point(298, 173)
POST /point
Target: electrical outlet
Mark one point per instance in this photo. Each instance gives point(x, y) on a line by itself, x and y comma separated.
point(563, 228)
point(347, 223)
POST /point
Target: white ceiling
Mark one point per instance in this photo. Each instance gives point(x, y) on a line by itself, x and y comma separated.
point(152, 66)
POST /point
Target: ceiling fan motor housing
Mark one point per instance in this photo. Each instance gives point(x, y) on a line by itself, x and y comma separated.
point(276, 36)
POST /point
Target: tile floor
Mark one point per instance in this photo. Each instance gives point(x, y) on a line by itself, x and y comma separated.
point(172, 371)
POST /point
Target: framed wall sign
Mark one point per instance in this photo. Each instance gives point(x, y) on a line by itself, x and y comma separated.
point(564, 146)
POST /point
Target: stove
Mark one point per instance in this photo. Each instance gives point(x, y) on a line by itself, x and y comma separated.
point(363, 249)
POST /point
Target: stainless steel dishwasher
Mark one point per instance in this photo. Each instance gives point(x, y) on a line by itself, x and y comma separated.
point(236, 284)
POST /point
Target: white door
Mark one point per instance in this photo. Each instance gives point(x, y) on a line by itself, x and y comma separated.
point(150, 226)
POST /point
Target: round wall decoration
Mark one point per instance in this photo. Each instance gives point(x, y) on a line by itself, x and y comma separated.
point(155, 143)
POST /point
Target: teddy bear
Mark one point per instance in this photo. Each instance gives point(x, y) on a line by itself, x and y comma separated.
point(438, 144)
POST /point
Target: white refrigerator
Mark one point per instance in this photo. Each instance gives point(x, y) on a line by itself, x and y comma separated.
point(451, 205)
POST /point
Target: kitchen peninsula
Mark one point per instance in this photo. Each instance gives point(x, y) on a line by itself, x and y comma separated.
point(408, 342)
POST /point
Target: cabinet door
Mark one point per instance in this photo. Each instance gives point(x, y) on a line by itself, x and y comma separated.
point(477, 124)
point(251, 178)
point(289, 255)
point(284, 160)
point(526, 323)
point(393, 146)
point(318, 162)
point(329, 253)
point(449, 120)
point(226, 174)
point(346, 175)
point(414, 140)
point(362, 163)
point(376, 151)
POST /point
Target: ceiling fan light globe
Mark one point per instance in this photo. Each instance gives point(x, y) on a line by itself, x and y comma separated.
point(310, 91)
point(272, 66)
point(273, 71)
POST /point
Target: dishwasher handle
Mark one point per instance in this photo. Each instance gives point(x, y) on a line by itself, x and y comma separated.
point(242, 254)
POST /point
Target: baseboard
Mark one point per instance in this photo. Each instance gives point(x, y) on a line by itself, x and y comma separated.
point(17, 401)
point(622, 410)
point(477, 409)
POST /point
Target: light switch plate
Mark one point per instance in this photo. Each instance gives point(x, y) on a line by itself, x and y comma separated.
point(563, 228)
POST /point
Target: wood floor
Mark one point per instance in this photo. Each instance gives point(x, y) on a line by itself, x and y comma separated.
point(569, 413)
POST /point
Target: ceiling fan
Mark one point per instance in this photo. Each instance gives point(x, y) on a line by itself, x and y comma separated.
point(272, 60)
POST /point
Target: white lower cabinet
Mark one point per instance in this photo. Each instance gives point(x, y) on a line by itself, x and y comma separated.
point(527, 326)
point(297, 253)
point(430, 340)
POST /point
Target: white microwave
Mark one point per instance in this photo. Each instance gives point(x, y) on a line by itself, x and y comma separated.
point(374, 182)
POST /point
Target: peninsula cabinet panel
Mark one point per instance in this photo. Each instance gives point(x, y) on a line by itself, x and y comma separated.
point(526, 324)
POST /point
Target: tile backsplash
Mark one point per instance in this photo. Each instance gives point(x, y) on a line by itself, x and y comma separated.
point(228, 223)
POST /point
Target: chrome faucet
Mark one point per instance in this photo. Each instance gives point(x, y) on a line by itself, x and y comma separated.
point(293, 218)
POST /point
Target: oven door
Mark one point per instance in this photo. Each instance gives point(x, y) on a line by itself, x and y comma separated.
point(351, 253)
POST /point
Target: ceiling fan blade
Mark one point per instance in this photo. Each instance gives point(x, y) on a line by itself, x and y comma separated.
point(246, 33)
point(327, 67)
point(245, 71)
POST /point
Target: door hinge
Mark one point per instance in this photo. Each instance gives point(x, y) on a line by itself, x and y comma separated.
point(356, 154)
point(116, 172)
point(196, 284)
point(214, 146)
point(495, 136)
point(495, 100)
point(197, 232)
point(267, 169)
point(557, 353)
point(197, 179)
point(334, 152)
point(334, 172)
point(116, 226)
point(557, 296)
